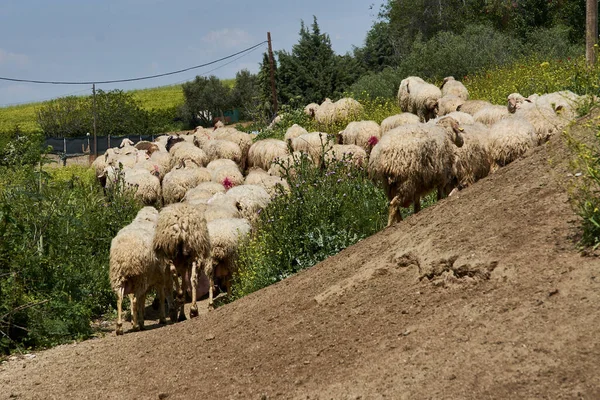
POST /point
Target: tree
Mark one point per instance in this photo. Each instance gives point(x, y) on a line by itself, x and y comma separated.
point(205, 98)
point(308, 73)
point(65, 117)
point(246, 94)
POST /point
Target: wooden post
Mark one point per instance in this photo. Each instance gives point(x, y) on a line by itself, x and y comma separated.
point(272, 65)
point(94, 117)
point(591, 31)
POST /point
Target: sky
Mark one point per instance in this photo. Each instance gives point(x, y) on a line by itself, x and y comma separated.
point(95, 40)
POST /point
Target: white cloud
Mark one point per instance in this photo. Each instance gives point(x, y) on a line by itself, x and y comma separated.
point(6, 57)
point(227, 38)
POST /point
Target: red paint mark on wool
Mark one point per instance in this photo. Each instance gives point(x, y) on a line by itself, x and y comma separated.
point(373, 141)
point(227, 183)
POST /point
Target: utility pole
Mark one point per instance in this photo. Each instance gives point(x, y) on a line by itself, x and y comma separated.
point(272, 65)
point(591, 31)
point(94, 118)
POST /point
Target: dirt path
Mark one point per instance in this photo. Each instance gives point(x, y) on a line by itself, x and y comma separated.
point(483, 296)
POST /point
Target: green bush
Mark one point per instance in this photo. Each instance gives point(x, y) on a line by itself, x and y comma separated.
point(325, 211)
point(383, 85)
point(56, 229)
point(585, 194)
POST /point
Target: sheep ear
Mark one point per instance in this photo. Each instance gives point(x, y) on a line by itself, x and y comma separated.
point(528, 100)
point(407, 88)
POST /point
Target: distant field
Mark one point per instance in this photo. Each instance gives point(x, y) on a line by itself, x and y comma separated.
point(152, 98)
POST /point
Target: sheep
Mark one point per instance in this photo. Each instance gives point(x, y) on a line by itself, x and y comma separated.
point(448, 104)
point(472, 106)
point(263, 152)
point(219, 210)
point(221, 162)
point(227, 176)
point(274, 123)
point(249, 199)
point(225, 236)
point(544, 120)
point(462, 117)
point(197, 196)
point(134, 268)
point(396, 120)
point(412, 160)
point(240, 138)
point(182, 151)
point(346, 109)
point(181, 241)
point(352, 152)
point(147, 146)
point(311, 109)
point(451, 86)
point(146, 185)
point(126, 143)
point(510, 138)
point(222, 149)
point(491, 114)
point(219, 124)
point(315, 144)
point(419, 97)
point(176, 183)
point(160, 161)
point(472, 161)
point(364, 134)
point(294, 131)
point(325, 113)
point(260, 177)
point(289, 163)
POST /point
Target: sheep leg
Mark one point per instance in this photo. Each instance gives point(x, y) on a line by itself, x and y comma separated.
point(194, 306)
point(119, 330)
point(161, 298)
point(394, 214)
point(134, 312)
point(211, 287)
point(141, 303)
point(169, 294)
point(417, 204)
point(179, 302)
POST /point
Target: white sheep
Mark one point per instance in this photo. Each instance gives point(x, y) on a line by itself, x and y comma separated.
point(242, 139)
point(413, 160)
point(325, 112)
point(419, 97)
point(249, 199)
point(314, 144)
point(510, 138)
point(351, 152)
point(364, 134)
point(491, 114)
point(227, 176)
point(396, 120)
point(472, 161)
point(472, 106)
point(146, 186)
point(263, 152)
point(260, 177)
point(294, 131)
point(177, 182)
point(449, 103)
point(289, 163)
point(462, 117)
point(311, 109)
point(183, 151)
point(181, 241)
point(134, 268)
point(225, 237)
point(451, 86)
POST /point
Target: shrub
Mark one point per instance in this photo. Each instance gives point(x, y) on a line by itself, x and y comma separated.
point(326, 211)
point(585, 195)
point(383, 85)
point(56, 229)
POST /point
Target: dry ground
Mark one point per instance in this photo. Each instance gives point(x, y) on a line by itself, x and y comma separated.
point(483, 296)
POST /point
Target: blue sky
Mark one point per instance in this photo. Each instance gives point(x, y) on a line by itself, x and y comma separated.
point(92, 40)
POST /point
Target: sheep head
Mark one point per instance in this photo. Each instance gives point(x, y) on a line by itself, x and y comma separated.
point(453, 129)
point(432, 107)
point(446, 79)
point(515, 100)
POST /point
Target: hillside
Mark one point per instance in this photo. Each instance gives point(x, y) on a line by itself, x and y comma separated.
point(482, 296)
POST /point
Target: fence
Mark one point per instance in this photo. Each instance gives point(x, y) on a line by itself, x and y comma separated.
point(80, 146)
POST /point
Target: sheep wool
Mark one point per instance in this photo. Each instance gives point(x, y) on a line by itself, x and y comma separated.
point(263, 152)
point(396, 120)
point(294, 131)
point(451, 86)
point(364, 134)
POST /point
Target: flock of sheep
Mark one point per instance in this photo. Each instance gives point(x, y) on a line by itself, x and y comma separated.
point(212, 183)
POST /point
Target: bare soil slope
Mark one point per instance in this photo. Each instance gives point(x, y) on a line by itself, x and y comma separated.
point(483, 296)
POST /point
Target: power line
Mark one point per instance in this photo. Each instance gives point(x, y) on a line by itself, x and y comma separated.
point(132, 79)
point(170, 84)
